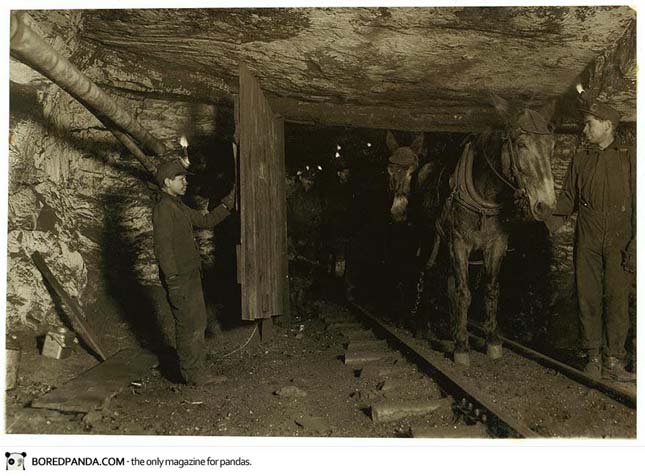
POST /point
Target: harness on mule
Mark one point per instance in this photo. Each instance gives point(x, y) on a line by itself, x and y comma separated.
point(464, 193)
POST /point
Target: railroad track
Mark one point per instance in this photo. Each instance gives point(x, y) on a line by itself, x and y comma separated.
point(392, 390)
point(620, 393)
point(475, 404)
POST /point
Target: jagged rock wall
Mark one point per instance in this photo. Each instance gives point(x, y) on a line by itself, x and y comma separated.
point(75, 195)
point(42, 215)
point(562, 305)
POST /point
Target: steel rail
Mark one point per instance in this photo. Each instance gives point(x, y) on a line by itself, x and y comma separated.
point(502, 422)
point(615, 392)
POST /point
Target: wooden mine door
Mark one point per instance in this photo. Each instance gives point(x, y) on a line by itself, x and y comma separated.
point(263, 248)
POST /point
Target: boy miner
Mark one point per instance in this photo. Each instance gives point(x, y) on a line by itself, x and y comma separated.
point(601, 187)
point(180, 266)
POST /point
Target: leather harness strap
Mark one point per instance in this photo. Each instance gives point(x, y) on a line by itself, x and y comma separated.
point(463, 190)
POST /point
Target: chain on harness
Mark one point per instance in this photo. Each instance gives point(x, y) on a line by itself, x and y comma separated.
point(420, 287)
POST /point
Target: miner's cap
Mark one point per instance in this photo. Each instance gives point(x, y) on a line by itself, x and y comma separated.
point(170, 170)
point(602, 111)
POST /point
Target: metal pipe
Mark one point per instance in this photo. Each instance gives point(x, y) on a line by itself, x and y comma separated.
point(28, 47)
point(129, 144)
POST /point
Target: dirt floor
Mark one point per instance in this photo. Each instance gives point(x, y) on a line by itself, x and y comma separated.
point(296, 384)
point(549, 403)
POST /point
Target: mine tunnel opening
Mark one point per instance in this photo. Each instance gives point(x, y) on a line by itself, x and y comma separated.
point(382, 262)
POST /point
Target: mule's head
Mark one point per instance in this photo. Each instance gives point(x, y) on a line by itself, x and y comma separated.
point(402, 163)
point(527, 158)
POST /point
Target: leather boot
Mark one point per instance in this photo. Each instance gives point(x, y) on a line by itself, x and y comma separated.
point(613, 369)
point(593, 367)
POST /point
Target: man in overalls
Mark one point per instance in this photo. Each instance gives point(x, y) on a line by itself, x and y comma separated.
point(601, 187)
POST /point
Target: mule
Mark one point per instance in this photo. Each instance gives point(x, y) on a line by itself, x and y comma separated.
point(404, 230)
point(502, 176)
point(402, 164)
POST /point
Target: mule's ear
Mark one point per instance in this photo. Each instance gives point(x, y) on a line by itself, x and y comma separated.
point(502, 106)
point(547, 111)
point(425, 172)
point(391, 142)
point(417, 144)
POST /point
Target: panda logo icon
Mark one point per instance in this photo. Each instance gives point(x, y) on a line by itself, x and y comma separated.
point(16, 460)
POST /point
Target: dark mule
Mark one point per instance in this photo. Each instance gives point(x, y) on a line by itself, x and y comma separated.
point(402, 164)
point(501, 176)
point(403, 173)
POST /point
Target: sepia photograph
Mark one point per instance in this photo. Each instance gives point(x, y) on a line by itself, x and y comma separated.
point(329, 222)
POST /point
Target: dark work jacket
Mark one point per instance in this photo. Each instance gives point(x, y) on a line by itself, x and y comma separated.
point(304, 221)
point(174, 242)
point(601, 186)
point(338, 210)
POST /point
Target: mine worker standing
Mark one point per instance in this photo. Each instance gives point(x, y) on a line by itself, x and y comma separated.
point(304, 215)
point(601, 186)
point(304, 222)
point(339, 208)
point(180, 265)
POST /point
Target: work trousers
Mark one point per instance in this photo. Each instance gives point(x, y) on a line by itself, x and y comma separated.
point(189, 310)
point(602, 284)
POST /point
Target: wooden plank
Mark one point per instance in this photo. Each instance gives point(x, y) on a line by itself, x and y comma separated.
point(92, 389)
point(273, 244)
point(247, 197)
point(281, 186)
point(263, 203)
point(278, 210)
point(75, 311)
point(383, 412)
point(266, 330)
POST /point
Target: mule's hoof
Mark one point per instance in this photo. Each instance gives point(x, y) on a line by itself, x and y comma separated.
point(442, 345)
point(462, 358)
point(494, 351)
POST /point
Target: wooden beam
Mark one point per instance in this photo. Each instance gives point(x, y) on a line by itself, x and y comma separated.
point(457, 117)
point(262, 195)
point(266, 329)
point(383, 412)
point(75, 312)
point(92, 389)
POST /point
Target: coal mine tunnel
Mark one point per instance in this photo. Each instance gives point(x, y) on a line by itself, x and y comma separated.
point(318, 175)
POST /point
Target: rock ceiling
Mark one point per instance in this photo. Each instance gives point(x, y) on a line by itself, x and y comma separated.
point(415, 68)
